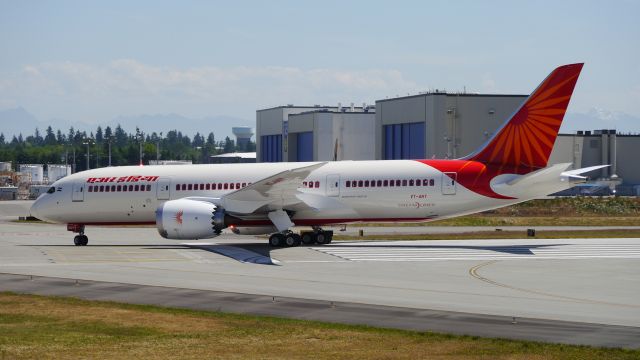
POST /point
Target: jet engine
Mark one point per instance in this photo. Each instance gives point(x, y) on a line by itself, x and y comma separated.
point(185, 219)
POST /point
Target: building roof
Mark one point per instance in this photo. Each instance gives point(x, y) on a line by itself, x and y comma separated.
point(243, 155)
point(452, 94)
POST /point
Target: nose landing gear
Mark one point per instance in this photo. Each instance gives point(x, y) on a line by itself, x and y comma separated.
point(81, 239)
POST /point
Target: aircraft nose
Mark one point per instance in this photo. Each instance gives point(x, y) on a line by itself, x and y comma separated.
point(33, 211)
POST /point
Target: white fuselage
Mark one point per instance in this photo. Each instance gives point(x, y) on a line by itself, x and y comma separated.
point(388, 190)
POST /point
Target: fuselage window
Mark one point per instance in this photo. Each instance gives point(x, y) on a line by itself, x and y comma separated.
point(379, 183)
point(226, 186)
point(219, 186)
point(177, 187)
point(183, 186)
point(385, 183)
point(208, 186)
point(190, 187)
point(101, 188)
point(119, 188)
point(106, 188)
point(130, 187)
point(425, 182)
point(404, 182)
point(360, 183)
point(431, 182)
point(149, 187)
point(136, 188)
point(317, 184)
point(113, 188)
point(410, 182)
point(348, 183)
point(201, 186)
point(366, 183)
point(90, 189)
point(237, 185)
point(213, 186)
point(398, 182)
point(124, 187)
point(244, 184)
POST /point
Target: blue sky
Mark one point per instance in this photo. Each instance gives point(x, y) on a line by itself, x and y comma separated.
point(92, 61)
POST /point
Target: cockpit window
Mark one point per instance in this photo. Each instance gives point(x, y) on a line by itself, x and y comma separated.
point(51, 190)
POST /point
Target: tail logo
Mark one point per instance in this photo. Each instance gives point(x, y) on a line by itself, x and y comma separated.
point(527, 139)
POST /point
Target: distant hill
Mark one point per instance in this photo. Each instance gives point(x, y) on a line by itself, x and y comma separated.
point(596, 119)
point(18, 120)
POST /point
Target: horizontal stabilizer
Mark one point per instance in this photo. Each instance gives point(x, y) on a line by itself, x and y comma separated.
point(583, 170)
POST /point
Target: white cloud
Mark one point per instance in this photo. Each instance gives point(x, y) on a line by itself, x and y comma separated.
point(127, 86)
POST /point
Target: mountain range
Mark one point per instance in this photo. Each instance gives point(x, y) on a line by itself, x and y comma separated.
point(20, 121)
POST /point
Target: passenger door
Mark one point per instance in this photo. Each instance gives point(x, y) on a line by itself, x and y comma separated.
point(77, 193)
point(449, 183)
point(164, 186)
point(333, 185)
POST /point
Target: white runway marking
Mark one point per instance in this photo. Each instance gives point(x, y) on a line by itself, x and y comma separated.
point(424, 251)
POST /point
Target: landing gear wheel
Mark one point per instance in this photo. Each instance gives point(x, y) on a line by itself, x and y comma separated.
point(292, 240)
point(322, 238)
point(276, 240)
point(308, 238)
point(80, 240)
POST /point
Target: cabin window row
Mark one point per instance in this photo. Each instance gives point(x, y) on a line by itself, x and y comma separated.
point(211, 186)
point(311, 184)
point(118, 188)
point(390, 183)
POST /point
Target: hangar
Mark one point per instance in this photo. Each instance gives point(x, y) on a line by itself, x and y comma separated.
point(431, 125)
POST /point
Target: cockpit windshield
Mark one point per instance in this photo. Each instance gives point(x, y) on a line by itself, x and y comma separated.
point(51, 190)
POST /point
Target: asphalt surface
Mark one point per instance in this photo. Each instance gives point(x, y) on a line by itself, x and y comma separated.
point(579, 291)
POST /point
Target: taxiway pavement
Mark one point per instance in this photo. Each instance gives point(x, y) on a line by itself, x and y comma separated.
point(583, 291)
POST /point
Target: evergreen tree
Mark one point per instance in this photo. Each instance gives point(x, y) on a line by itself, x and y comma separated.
point(60, 138)
point(50, 137)
point(99, 137)
point(229, 145)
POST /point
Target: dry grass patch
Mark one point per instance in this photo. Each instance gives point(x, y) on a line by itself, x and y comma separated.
point(64, 328)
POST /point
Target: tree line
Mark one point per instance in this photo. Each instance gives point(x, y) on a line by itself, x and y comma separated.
point(55, 147)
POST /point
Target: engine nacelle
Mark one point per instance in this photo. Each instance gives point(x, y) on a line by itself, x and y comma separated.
point(185, 219)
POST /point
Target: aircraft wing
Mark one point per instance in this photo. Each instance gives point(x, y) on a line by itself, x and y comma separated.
point(272, 193)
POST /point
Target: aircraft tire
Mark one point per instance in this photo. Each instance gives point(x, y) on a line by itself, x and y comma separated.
point(308, 238)
point(84, 240)
point(77, 241)
point(292, 240)
point(276, 240)
point(322, 238)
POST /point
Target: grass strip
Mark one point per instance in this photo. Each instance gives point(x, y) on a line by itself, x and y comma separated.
point(46, 327)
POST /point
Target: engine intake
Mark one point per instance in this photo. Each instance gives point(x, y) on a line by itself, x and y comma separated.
point(185, 219)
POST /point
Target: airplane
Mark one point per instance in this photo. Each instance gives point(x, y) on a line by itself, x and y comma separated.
point(190, 202)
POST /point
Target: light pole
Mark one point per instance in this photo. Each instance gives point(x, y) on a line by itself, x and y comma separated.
point(158, 148)
point(140, 137)
point(88, 142)
point(109, 143)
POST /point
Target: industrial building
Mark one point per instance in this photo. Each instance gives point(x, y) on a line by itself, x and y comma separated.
point(431, 125)
point(306, 133)
point(439, 124)
point(590, 148)
point(243, 136)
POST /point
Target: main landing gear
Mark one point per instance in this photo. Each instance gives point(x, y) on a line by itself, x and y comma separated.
point(81, 239)
point(289, 238)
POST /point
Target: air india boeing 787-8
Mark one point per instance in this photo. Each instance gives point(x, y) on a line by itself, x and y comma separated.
point(199, 201)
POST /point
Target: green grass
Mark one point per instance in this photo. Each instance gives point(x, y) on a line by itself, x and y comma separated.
point(66, 328)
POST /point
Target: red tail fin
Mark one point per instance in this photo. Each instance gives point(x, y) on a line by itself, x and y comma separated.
point(526, 140)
